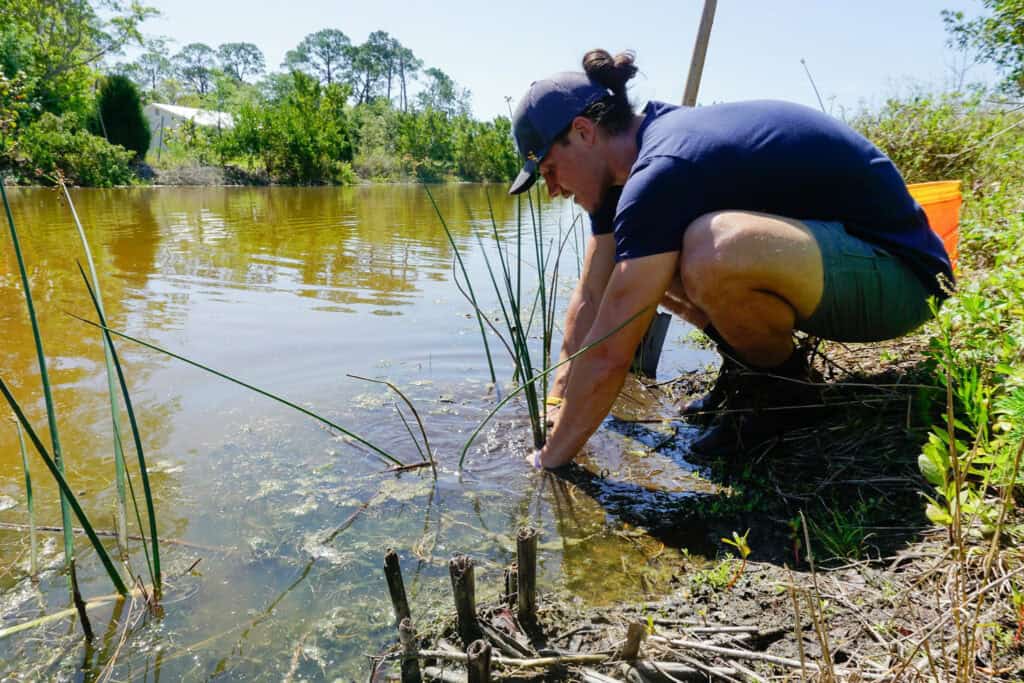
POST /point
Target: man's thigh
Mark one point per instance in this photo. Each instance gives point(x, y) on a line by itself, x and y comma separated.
point(868, 294)
point(728, 254)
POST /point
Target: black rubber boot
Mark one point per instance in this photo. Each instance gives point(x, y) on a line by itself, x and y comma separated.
point(702, 409)
point(763, 404)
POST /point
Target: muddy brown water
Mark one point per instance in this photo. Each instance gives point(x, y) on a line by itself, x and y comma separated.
point(291, 289)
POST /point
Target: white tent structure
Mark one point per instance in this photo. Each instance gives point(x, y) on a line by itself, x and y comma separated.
point(164, 118)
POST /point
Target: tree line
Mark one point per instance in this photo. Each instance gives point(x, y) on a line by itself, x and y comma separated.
point(334, 111)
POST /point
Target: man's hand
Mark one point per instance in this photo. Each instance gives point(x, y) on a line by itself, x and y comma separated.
point(541, 459)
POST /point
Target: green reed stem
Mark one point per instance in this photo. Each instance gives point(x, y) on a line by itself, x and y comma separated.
point(51, 413)
point(415, 414)
point(115, 412)
point(69, 495)
point(376, 449)
point(519, 336)
point(408, 430)
point(155, 573)
point(451, 240)
point(542, 375)
point(34, 550)
point(138, 522)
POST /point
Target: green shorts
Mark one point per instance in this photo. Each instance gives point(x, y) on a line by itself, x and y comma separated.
point(869, 294)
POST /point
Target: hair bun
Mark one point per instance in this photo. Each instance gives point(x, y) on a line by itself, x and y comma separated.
point(611, 72)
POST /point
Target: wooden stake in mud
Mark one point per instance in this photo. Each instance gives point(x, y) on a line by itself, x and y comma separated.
point(479, 663)
point(464, 588)
point(634, 635)
point(410, 662)
point(393, 573)
point(526, 594)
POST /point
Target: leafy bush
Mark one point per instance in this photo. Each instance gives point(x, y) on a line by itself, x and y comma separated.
point(976, 342)
point(60, 145)
point(120, 117)
point(303, 138)
point(939, 137)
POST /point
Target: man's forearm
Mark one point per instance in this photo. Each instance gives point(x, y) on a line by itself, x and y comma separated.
point(579, 318)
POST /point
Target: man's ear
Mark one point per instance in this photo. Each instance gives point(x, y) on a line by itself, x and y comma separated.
point(586, 128)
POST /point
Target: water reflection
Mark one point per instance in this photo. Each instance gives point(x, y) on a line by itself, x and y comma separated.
point(291, 289)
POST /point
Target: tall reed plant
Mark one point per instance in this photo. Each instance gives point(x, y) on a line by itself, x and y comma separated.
point(33, 562)
point(115, 411)
point(51, 412)
point(152, 562)
point(519, 313)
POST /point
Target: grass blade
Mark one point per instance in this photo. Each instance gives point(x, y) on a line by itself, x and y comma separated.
point(469, 285)
point(155, 574)
point(34, 556)
point(376, 449)
point(51, 413)
point(115, 412)
point(69, 495)
point(423, 431)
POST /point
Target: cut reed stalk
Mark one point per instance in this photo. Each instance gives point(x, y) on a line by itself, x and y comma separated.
point(154, 568)
point(396, 587)
point(463, 577)
point(526, 574)
point(51, 413)
point(376, 449)
point(69, 495)
point(115, 411)
point(34, 547)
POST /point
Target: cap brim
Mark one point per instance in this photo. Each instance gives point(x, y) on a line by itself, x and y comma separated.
point(526, 178)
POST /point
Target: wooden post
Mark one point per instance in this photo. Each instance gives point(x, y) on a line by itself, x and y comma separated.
point(410, 662)
point(526, 580)
point(479, 664)
point(464, 588)
point(511, 584)
point(634, 635)
point(700, 49)
point(396, 587)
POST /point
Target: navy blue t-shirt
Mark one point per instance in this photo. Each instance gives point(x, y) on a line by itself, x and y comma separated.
point(766, 156)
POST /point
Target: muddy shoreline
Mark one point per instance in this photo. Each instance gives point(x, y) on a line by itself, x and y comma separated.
point(894, 610)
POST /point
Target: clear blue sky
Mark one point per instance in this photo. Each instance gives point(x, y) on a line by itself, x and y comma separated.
point(858, 53)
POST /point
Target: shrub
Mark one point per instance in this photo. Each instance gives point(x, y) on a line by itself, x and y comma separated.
point(939, 137)
point(60, 145)
point(121, 120)
point(303, 138)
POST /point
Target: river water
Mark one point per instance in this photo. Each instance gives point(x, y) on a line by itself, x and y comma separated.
point(293, 289)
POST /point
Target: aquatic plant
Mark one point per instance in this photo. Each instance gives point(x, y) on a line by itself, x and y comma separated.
point(51, 413)
point(154, 562)
point(33, 546)
point(425, 452)
point(68, 494)
point(115, 412)
point(507, 281)
point(469, 285)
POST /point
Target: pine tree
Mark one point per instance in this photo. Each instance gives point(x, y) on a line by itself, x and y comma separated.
point(121, 118)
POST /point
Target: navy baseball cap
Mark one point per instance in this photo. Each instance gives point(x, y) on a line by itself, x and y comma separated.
point(547, 109)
